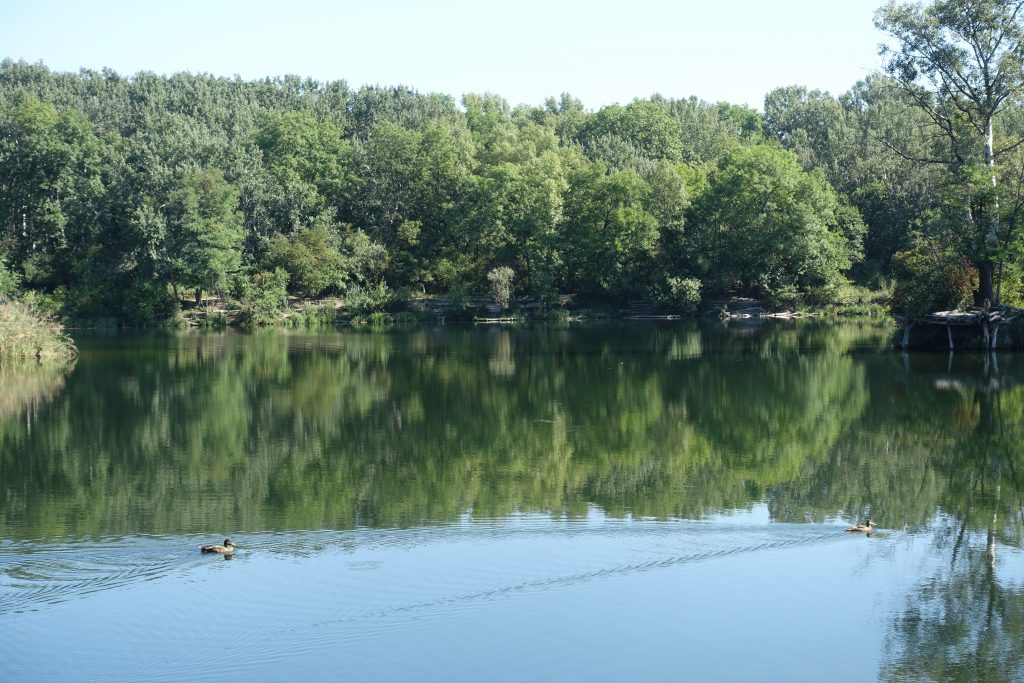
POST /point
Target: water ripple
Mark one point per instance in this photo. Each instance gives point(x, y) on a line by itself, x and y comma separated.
point(33, 576)
point(577, 578)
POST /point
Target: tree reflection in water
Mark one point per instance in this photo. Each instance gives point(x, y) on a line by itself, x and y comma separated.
point(180, 434)
point(965, 621)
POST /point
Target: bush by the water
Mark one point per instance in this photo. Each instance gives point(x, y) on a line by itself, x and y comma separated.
point(681, 294)
point(500, 280)
point(361, 301)
point(28, 334)
point(932, 279)
point(262, 297)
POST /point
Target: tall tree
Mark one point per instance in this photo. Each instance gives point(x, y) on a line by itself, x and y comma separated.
point(767, 226)
point(49, 174)
point(812, 124)
point(644, 124)
point(610, 241)
point(311, 165)
point(204, 232)
point(962, 63)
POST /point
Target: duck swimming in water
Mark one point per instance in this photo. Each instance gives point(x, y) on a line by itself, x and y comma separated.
point(226, 549)
point(866, 528)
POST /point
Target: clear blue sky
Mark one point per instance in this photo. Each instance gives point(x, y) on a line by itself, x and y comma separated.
point(600, 51)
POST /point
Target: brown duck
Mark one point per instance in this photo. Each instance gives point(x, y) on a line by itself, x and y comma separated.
point(226, 549)
point(867, 528)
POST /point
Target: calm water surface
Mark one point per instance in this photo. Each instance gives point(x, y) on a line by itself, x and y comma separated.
point(602, 502)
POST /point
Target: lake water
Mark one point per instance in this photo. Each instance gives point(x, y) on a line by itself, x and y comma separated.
point(599, 502)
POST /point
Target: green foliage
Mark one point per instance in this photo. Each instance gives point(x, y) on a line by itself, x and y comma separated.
point(315, 315)
point(132, 186)
point(1011, 285)
point(310, 164)
point(370, 299)
point(214, 319)
point(375, 319)
point(49, 166)
point(766, 226)
point(610, 239)
point(930, 278)
point(646, 125)
point(500, 279)
point(812, 124)
point(262, 297)
point(523, 204)
point(311, 257)
point(363, 259)
point(204, 231)
point(962, 64)
point(459, 299)
point(148, 302)
point(10, 282)
point(849, 299)
point(681, 294)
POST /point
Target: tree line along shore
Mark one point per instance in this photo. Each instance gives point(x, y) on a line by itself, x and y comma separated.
point(128, 199)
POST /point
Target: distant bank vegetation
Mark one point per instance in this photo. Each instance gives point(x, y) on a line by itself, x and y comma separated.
point(121, 197)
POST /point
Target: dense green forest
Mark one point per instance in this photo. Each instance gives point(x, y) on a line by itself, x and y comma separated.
point(125, 196)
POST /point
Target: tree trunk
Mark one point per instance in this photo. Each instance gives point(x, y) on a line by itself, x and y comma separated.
point(999, 282)
point(987, 294)
point(990, 160)
point(986, 291)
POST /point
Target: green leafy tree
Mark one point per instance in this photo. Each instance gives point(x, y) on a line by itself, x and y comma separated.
point(531, 199)
point(962, 63)
point(813, 125)
point(708, 130)
point(567, 116)
point(98, 203)
point(364, 260)
point(673, 188)
point(10, 282)
point(886, 173)
point(932, 278)
point(410, 184)
point(645, 124)
point(500, 279)
point(204, 232)
point(610, 241)
point(49, 175)
point(311, 166)
point(681, 294)
point(489, 119)
point(372, 105)
point(766, 226)
point(312, 258)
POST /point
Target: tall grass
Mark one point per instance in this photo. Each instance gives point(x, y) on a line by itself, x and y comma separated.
point(27, 334)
